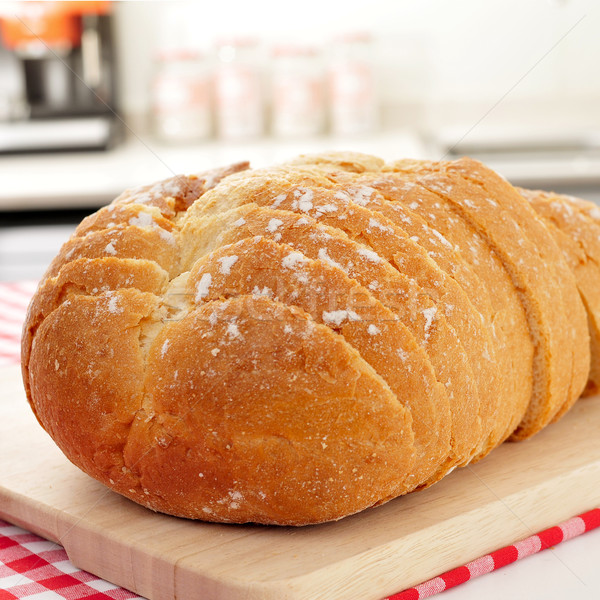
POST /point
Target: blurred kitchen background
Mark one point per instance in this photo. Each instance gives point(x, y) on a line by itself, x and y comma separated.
point(96, 97)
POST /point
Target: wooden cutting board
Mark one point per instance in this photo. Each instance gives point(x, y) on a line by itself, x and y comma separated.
point(517, 490)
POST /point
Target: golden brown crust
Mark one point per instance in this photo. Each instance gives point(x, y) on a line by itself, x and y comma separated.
point(86, 277)
point(572, 328)
point(224, 437)
point(86, 375)
point(533, 262)
point(369, 265)
point(574, 231)
point(439, 267)
point(123, 241)
point(333, 299)
point(293, 344)
point(121, 215)
point(176, 194)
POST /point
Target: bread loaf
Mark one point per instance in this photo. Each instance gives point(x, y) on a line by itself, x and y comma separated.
point(292, 345)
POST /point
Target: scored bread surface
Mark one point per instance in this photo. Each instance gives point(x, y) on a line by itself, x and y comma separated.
point(294, 344)
point(393, 288)
point(444, 348)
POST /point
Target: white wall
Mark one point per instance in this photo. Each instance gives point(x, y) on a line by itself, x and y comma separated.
point(450, 57)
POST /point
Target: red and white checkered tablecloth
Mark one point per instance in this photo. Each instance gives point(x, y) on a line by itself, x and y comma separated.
point(14, 298)
point(35, 569)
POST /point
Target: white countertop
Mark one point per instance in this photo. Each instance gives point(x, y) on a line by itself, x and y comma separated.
point(90, 179)
point(569, 570)
point(81, 179)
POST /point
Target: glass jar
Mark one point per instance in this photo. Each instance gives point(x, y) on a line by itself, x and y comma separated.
point(181, 97)
point(352, 86)
point(238, 89)
point(298, 103)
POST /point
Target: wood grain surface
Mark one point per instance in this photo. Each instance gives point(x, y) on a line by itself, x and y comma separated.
point(517, 490)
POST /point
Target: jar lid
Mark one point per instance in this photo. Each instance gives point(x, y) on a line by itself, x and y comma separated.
point(292, 49)
point(353, 37)
point(237, 41)
point(178, 54)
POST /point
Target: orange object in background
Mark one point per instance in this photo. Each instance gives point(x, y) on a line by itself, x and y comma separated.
point(57, 67)
point(47, 24)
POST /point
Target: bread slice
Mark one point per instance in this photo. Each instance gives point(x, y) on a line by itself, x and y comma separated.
point(260, 186)
point(85, 276)
point(469, 310)
point(86, 374)
point(574, 326)
point(122, 241)
point(462, 253)
point(578, 237)
point(531, 265)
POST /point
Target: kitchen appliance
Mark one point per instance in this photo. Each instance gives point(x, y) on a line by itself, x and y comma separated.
point(57, 76)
